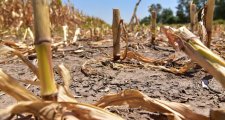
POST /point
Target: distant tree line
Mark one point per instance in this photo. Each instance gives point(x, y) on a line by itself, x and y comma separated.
point(166, 15)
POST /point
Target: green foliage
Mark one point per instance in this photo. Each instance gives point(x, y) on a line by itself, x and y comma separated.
point(219, 10)
point(145, 20)
point(219, 21)
point(167, 16)
point(94, 22)
point(156, 7)
point(183, 9)
point(181, 14)
point(164, 16)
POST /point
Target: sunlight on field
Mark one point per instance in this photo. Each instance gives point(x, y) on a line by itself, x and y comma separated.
point(57, 62)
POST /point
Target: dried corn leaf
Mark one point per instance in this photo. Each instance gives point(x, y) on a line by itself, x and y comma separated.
point(86, 70)
point(10, 86)
point(183, 69)
point(64, 95)
point(136, 99)
point(5, 49)
point(139, 57)
point(180, 70)
point(106, 43)
point(22, 107)
point(18, 45)
point(65, 73)
point(59, 111)
point(9, 43)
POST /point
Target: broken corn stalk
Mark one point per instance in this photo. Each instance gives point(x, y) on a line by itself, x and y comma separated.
point(198, 52)
point(153, 26)
point(116, 34)
point(209, 20)
point(65, 34)
point(193, 11)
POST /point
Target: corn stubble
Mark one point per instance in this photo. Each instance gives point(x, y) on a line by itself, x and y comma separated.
point(193, 16)
point(209, 20)
point(153, 26)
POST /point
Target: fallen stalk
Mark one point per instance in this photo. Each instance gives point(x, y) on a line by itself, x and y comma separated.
point(197, 51)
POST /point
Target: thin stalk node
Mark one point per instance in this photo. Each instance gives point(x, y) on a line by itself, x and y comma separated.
point(43, 40)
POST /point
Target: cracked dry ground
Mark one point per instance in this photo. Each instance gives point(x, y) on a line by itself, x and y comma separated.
point(107, 77)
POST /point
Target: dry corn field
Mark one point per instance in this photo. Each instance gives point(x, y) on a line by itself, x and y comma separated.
point(56, 63)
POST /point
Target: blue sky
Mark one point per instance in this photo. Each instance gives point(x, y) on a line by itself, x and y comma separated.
point(103, 8)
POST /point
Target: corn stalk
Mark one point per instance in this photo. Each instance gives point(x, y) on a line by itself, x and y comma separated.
point(43, 49)
point(153, 26)
point(209, 21)
point(65, 34)
point(134, 16)
point(116, 34)
point(193, 16)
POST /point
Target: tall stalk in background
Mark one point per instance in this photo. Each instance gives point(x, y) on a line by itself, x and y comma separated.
point(193, 11)
point(209, 20)
point(116, 34)
point(153, 26)
point(43, 49)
